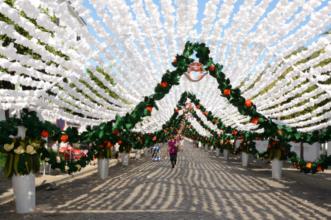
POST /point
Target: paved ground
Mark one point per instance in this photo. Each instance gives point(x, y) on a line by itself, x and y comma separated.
point(200, 187)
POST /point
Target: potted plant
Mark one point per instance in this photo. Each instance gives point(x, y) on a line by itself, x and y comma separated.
point(246, 147)
point(103, 155)
point(124, 149)
point(277, 152)
point(218, 151)
point(218, 148)
point(227, 146)
point(22, 140)
point(21, 165)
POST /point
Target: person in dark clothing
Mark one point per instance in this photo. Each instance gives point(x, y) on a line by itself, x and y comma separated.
point(172, 150)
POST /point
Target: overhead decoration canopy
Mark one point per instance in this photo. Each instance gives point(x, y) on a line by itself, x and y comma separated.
point(88, 61)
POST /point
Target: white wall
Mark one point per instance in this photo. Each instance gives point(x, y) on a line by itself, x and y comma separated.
point(238, 142)
point(261, 146)
point(311, 152)
point(295, 147)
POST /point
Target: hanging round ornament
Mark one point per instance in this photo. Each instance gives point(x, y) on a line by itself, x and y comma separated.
point(195, 72)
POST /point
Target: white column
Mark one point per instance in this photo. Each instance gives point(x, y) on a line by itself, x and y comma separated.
point(24, 192)
point(138, 155)
point(226, 154)
point(103, 167)
point(125, 159)
point(277, 166)
point(218, 152)
point(244, 159)
point(237, 145)
point(2, 115)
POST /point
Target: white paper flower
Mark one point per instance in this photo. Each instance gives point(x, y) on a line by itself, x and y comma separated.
point(35, 144)
point(19, 150)
point(78, 166)
point(30, 150)
point(8, 147)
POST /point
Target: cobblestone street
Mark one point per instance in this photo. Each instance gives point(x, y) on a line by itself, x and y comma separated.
point(201, 186)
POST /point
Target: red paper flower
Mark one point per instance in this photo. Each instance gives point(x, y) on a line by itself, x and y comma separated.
point(164, 84)
point(44, 134)
point(212, 68)
point(107, 144)
point(227, 92)
point(120, 142)
point(234, 132)
point(149, 108)
point(255, 120)
point(64, 138)
point(154, 138)
point(280, 132)
point(248, 103)
point(116, 132)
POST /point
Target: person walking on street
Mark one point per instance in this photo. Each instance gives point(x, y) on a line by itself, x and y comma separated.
point(172, 150)
point(156, 153)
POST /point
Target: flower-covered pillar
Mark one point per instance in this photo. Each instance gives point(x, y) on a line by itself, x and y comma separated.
point(23, 185)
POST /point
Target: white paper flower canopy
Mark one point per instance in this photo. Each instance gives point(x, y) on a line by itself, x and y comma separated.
point(277, 54)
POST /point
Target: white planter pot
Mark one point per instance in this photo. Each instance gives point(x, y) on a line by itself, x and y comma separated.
point(24, 192)
point(277, 166)
point(138, 155)
point(218, 152)
point(21, 130)
point(103, 168)
point(125, 159)
point(244, 159)
point(2, 115)
point(226, 154)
